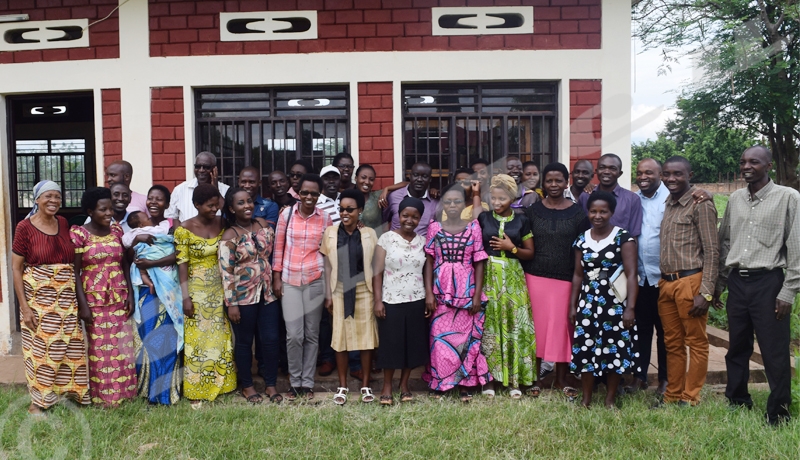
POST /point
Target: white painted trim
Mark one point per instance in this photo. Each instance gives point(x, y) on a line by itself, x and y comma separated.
point(563, 121)
point(97, 97)
point(397, 129)
point(7, 316)
point(268, 23)
point(482, 21)
point(355, 148)
point(44, 34)
point(189, 134)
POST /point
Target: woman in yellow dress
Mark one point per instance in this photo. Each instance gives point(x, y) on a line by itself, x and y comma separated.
point(209, 368)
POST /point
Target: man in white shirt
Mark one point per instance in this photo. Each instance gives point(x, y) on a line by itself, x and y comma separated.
point(121, 172)
point(205, 172)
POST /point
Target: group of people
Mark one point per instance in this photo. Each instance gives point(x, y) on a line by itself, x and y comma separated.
point(482, 282)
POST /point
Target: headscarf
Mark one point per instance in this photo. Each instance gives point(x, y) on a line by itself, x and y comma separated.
point(506, 183)
point(38, 190)
point(411, 202)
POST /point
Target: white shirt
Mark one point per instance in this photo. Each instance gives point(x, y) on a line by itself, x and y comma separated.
point(180, 203)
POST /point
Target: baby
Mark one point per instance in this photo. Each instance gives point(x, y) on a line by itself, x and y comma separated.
point(142, 231)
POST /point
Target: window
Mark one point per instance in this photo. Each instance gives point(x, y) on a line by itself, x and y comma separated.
point(448, 126)
point(270, 128)
point(60, 160)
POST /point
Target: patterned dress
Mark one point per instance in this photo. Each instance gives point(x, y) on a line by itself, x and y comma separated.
point(54, 353)
point(509, 342)
point(112, 365)
point(456, 335)
point(601, 344)
point(209, 368)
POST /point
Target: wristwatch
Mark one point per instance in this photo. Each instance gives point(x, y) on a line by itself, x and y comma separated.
point(708, 297)
point(514, 251)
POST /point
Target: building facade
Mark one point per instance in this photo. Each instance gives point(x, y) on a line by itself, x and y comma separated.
point(257, 82)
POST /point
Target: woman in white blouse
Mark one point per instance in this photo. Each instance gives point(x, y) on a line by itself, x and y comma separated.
point(399, 291)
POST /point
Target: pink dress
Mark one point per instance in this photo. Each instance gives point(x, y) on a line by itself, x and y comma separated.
point(112, 367)
point(455, 335)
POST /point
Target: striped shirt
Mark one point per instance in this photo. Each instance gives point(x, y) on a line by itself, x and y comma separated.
point(297, 255)
point(180, 203)
point(689, 238)
point(762, 233)
point(330, 207)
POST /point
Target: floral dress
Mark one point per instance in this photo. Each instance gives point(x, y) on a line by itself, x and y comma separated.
point(209, 368)
point(456, 334)
point(601, 344)
point(112, 364)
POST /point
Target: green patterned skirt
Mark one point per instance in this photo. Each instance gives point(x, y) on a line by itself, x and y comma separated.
point(509, 342)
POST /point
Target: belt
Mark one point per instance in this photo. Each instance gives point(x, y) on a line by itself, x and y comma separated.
point(745, 272)
point(679, 275)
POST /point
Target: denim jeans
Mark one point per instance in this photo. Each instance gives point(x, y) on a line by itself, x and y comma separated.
point(262, 319)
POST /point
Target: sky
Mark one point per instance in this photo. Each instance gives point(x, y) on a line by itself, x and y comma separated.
point(654, 95)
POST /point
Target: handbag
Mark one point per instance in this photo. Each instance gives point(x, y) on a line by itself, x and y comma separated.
point(619, 284)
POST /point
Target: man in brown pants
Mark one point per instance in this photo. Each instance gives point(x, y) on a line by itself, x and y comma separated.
point(689, 265)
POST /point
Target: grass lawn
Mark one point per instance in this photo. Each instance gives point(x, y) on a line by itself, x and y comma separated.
point(548, 427)
point(721, 202)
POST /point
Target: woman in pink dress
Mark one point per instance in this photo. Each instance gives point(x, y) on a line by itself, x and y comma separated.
point(455, 253)
point(102, 280)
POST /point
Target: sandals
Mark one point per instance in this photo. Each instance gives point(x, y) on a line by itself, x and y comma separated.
point(366, 395)
point(514, 393)
point(534, 391)
point(341, 396)
point(196, 405)
point(570, 393)
point(276, 398)
point(386, 400)
point(465, 396)
point(488, 392)
point(406, 397)
point(253, 399)
point(294, 393)
point(308, 393)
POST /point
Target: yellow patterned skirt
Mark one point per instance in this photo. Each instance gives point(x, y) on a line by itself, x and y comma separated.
point(209, 368)
point(54, 353)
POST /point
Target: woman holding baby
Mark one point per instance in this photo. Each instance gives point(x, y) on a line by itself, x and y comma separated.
point(158, 310)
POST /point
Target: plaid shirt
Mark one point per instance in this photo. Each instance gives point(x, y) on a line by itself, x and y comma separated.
point(689, 238)
point(297, 255)
point(762, 233)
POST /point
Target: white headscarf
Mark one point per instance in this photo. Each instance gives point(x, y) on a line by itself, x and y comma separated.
point(38, 190)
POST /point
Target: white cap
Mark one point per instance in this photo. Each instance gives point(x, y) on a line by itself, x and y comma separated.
point(329, 169)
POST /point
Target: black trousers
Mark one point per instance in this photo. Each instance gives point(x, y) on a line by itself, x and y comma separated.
point(751, 308)
point(646, 319)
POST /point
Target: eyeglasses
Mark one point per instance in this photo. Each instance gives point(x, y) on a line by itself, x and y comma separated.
point(347, 210)
point(465, 183)
point(452, 202)
point(295, 175)
point(307, 193)
point(204, 167)
point(345, 167)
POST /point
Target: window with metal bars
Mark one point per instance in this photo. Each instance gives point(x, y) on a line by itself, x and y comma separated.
point(449, 126)
point(270, 128)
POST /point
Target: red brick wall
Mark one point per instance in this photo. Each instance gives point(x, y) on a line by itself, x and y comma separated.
point(112, 126)
point(182, 27)
point(169, 150)
point(585, 120)
point(375, 140)
point(103, 36)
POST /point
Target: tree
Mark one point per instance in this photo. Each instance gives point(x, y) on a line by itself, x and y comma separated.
point(713, 150)
point(749, 51)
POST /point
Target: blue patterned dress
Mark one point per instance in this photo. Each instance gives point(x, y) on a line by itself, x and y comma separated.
point(601, 345)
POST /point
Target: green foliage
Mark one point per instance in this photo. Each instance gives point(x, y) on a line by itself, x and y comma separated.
point(749, 53)
point(794, 408)
point(712, 149)
point(719, 318)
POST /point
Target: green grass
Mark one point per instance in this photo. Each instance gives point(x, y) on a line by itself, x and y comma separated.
point(544, 428)
point(721, 202)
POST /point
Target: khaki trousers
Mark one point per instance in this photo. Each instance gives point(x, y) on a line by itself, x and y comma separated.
point(675, 300)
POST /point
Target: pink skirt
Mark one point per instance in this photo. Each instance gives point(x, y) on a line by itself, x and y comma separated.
point(550, 308)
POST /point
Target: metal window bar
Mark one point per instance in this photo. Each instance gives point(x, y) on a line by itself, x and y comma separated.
point(270, 128)
point(488, 121)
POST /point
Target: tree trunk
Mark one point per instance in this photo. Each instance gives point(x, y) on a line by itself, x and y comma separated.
point(784, 156)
